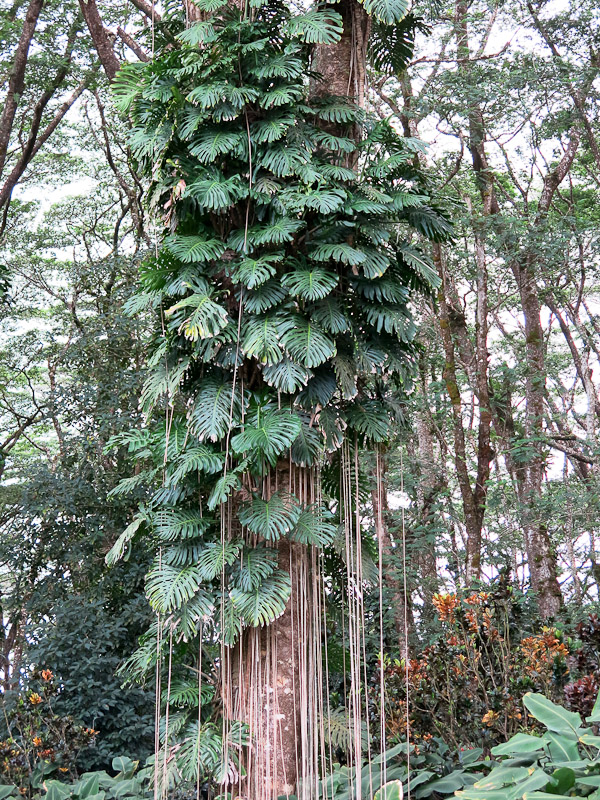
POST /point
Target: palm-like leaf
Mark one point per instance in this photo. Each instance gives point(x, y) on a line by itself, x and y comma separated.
point(286, 376)
point(194, 248)
point(270, 435)
point(316, 27)
point(253, 272)
point(212, 144)
point(168, 587)
point(264, 604)
point(253, 566)
point(206, 320)
point(174, 524)
point(223, 489)
point(311, 528)
point(196, 459)
point(261, 339)
point(310, 283)
point(305, 342)
point(216, 556)
point(211, 414)
point(343, 253)
point(271, 519)
point(388, 11)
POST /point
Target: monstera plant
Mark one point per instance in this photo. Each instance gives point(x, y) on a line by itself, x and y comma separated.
point(287, 257)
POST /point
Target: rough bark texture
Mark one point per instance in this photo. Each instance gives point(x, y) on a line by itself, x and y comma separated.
point(103, 40)
point(285, 748)
point(528, 476)
point(16, 81)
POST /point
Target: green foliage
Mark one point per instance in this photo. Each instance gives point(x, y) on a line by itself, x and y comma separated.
point(128, 782)
point(275, 219)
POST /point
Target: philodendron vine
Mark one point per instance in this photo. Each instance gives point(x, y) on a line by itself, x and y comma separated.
point(281, 287)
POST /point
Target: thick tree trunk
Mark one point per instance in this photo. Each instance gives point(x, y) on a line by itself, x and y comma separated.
point(277, 665)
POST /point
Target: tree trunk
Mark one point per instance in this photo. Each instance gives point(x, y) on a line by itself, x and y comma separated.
point(277, 666)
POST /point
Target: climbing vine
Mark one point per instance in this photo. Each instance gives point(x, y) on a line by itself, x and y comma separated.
point(281, 288)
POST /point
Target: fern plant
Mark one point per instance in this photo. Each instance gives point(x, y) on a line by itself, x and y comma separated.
point(283, 285)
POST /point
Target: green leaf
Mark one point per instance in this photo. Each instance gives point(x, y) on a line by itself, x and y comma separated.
point(344, 253)
point(310, 283)
point(388, 11)
point(271, 434)
point(536, 780)
point(194, 248)
point(446, 785)
point(55, 790)
point(265, 603)
point(223, 488)
point(595, 715)
point(8, 791)
point(253, 272)
point(213, 410)
point(215, 556)
point(207, 319)
point(215, 194)
point(501, 776)
point(88, 785)
point(127, 85)
point(117, 551)
point(564, 781)
point(124, 766)
point(562, 748)
point(272, 518)
point(198, 33)
point(316, 27)
point(390, 791)
point(305, 342)
point(210, 145)
point(168, 587)
point(175, 524)
point(520, 744)
point(253, 566)
point(311, 528)
point(554, 717)
point(260, 338)
point(286, 376)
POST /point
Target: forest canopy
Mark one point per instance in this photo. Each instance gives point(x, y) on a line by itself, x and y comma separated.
point(299, 399)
